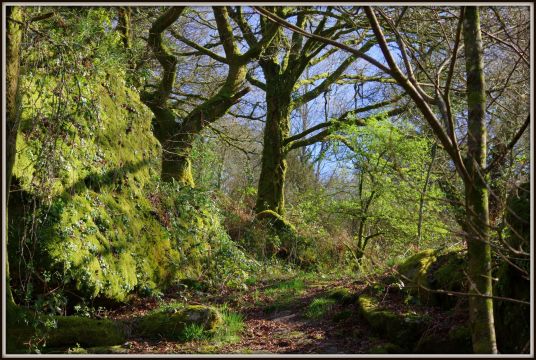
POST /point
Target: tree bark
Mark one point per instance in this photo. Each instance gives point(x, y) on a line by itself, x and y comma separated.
point(14, 15)
point(476, 193)
point(423, 194)
point(270, 194)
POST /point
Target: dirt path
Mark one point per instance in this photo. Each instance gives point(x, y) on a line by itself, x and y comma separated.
point(287, 316)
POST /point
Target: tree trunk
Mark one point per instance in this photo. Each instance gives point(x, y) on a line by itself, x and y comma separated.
point(175, 155)
point(14, 15)
point(423, 194)
point(270, 195)
point(476, 194)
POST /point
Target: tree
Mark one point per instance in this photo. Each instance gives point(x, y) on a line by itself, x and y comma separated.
point(177, 135)
point(282, 68)
point(14, 35)
point(476, 192)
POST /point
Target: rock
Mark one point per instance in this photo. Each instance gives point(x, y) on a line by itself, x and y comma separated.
point(401, 329)
point(171, 324)
point(435, 270)
point(456, 341)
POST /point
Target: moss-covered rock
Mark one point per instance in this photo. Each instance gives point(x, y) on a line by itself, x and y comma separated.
point(61, 332)
point(415, 269)
point(456, 341)
point(435, 270)
point(416, 266)
point(446, 273)
point(401, 329)
point(104, 226)
point(171, 323)
point(341, 295)
point(86, 335)
point(85, 332)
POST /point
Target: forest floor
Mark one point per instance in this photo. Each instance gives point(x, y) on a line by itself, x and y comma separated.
point(285, 315)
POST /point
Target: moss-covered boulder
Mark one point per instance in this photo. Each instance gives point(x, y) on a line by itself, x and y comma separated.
point(89, 213)
point(172, 323)
point(456, 341)
point(403, 329)
point(76, 334)
point(30, 329)
point(86, 332)
point(434, 270)
point(415, 267)
point(446, 273)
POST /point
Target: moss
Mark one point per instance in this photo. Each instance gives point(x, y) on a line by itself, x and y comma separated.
point(456, 341)
point(447, 273)
point(61, 331)
point(105, 227)
point(171, 323)
point(401, 329)
point(341, 295)
point(416, 266)
point(277, 220)
point(85, 331)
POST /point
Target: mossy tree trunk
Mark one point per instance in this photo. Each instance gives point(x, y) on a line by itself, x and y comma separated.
point(124, 25)
point(270, 193)
point(476, 193)
point(14, 34)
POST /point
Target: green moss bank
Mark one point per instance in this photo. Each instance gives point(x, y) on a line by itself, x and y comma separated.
point(89, 214)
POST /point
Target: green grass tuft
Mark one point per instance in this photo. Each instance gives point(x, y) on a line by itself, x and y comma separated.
point(231, 328)
point(319, 307)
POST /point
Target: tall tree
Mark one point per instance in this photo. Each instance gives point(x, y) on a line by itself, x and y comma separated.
point(14, 35)
point(476, 192)
point(282, 68)
point(175, 135)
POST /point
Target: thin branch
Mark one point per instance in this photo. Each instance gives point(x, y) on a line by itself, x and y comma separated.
point(201, 49)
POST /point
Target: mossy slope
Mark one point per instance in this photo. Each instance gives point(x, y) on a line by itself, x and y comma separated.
point(104, 225)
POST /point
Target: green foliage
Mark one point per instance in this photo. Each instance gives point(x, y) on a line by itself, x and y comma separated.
point(319, 307)
point(232, 326)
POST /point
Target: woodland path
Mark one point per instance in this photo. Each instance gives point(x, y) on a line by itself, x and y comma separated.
point(281, 316)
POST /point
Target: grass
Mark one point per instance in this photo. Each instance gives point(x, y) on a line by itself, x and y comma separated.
point(286, 287)
point(232, 327)
point(319, 307)
point(194, 332)
point(282, 294)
